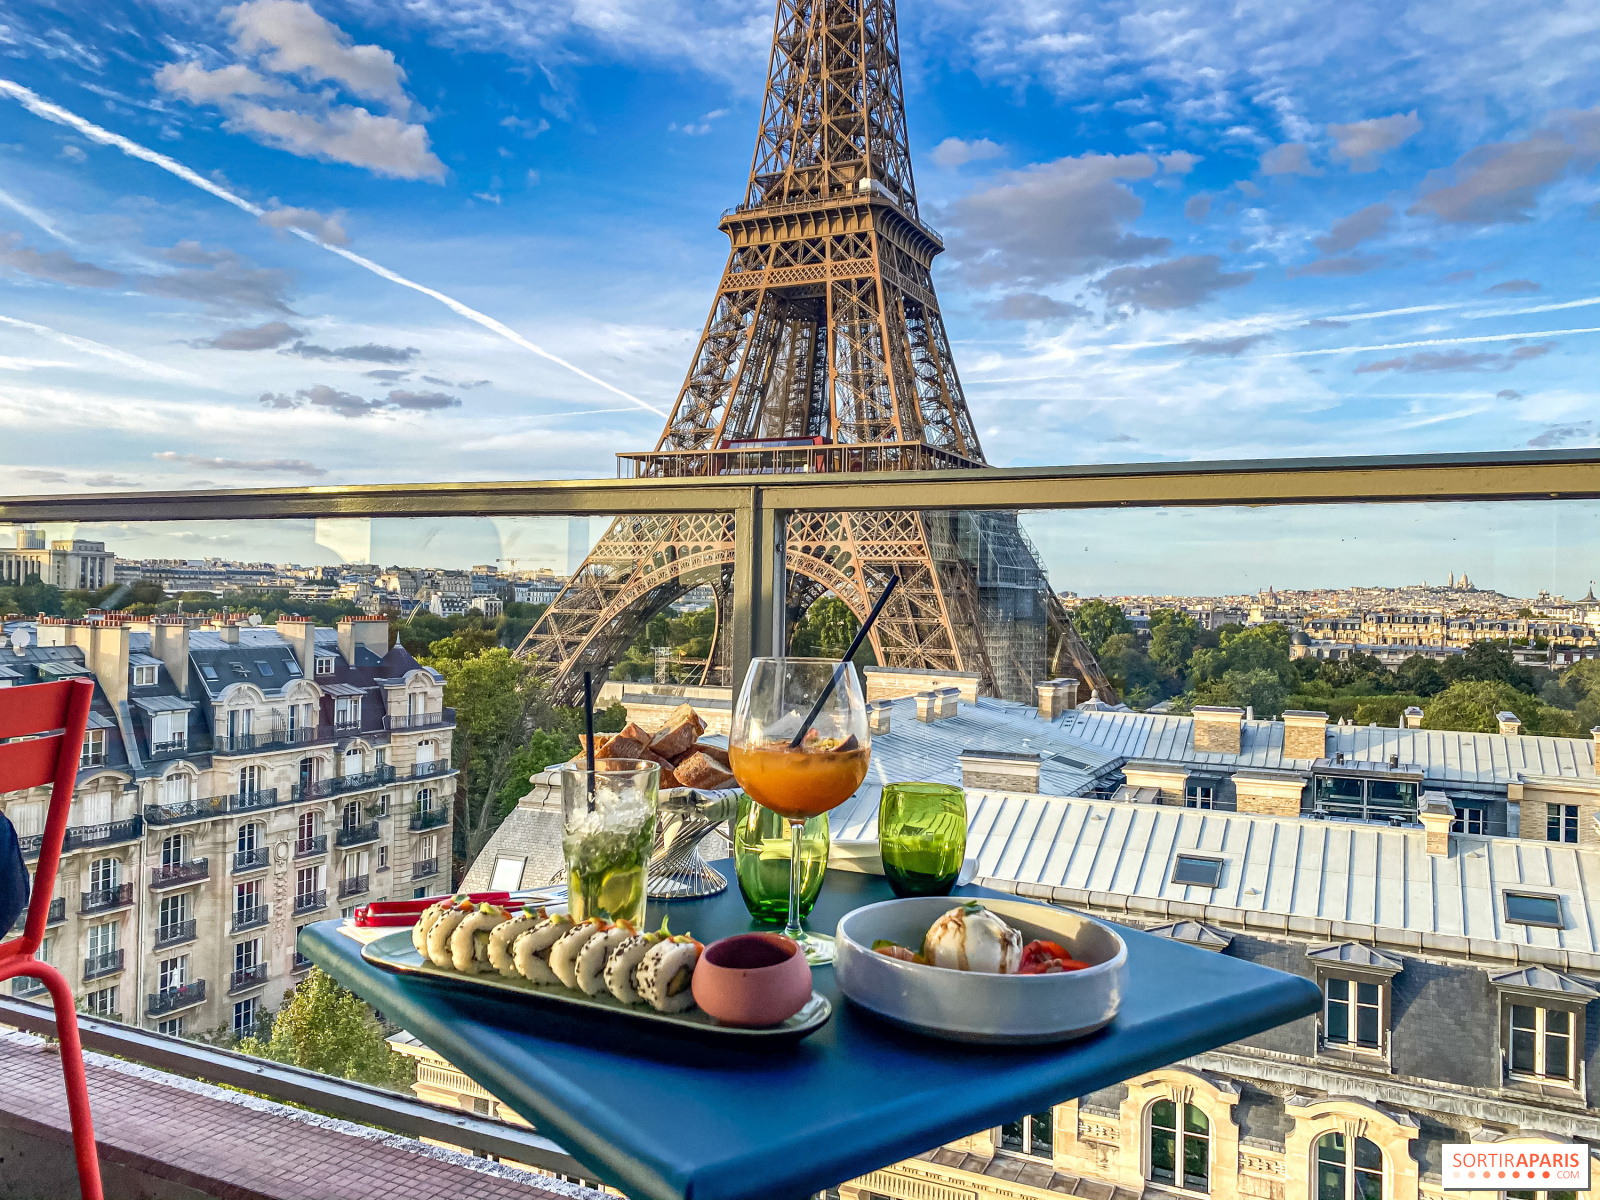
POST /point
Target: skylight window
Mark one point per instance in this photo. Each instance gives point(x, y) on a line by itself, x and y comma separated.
point(1525, 908)
point(291, 666)
point(263, 666)
point(208, 671)
point(1197, 871)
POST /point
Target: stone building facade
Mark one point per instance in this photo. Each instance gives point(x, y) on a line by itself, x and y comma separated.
point(237, 782)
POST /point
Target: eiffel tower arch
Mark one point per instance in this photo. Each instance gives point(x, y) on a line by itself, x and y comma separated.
point(825, 351)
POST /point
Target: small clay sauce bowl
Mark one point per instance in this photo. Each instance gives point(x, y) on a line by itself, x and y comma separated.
point(752, 980)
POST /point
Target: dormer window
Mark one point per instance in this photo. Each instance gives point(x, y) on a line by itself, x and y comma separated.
point(324, 666)
point(145, 676)
point(1356, 997)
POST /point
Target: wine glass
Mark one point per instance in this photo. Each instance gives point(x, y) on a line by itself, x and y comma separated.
point(799, 746)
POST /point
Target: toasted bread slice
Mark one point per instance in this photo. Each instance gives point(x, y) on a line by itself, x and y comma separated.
point(678, 739)
point(700, 771)
point(717, 753)
point(623, 746)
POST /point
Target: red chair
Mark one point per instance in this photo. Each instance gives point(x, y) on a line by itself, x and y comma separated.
point(60, 711)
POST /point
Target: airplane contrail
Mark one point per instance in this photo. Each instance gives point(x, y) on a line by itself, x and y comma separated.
point(41, 107)
point(34, 215)
point(102, 351)
point(1458, 341)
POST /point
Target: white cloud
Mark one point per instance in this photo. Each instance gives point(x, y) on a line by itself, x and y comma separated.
point(74, 153)
point(288, 40)
point(1291, 158)
point(1363, 141)
point(1501, 183)
point(1179, 162)
point(1358, 227)
point(953, 152)
point(329, 229)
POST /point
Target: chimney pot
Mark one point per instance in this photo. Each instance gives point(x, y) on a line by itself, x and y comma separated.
point(1510, 723)
point(880, 715)
point(1217, 730)
point(1437, 815)
point(1411, 718)
point(1000, 771)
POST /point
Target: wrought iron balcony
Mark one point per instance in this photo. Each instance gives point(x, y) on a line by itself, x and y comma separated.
point(251, 860)
point(30, 845)
point(175, 746)
point(57, 912)
point(274, 739)
point(301, 963)
point(106, 899)
point(425, 868)
point(431, 720)
point(429, 818)
point(250, 918)
point(112, 832)
point(171, 999)
point(356, 835)
point(248, 978)
point(306, 902)
point(250, 801)
point(360, 781)
point(311, 847)
point(102, 964)
point(353, 886)
point(174, 934)
point(439, 766)
point(185, 810)
point(179, 873)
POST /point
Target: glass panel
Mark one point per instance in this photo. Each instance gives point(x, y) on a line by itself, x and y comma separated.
point(1194, 1120)
point(1330, 1167)
point(1163, 1155)
point(1338, 1010)
point(1196, 1162)
point(1164, 1114)
point(1526, 909)
point(1557, 1043)
point(1524, 1040)
point(1368, 1156)
point(1011, 1136)
point(1040, 1133)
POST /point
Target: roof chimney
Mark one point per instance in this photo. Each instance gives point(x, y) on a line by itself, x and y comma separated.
point(1437, 815)
point(1411, 718)
point(1000, 771)
point(1217, 730)
point(1510, 723)
point(301, 634)
point(937, 705)
point(228, 632)
point(1305, 734)
point(169, 641)
point(879, 715)
point(1057, 696)
point(363, 633)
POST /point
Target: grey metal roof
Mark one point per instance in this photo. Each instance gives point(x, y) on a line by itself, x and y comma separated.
point(143, 660)
point(161, 703)
point(1542, 979)
point(1304, 870)
point(1194, 933)
point(1444, 756)
point(1355, 954)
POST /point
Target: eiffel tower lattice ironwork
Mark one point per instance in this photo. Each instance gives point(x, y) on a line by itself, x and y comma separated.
point(825, 350)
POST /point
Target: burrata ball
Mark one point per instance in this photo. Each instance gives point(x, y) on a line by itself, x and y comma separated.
point(971, 938)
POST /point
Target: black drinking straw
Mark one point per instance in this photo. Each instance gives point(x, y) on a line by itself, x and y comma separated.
point(588, 729)
point(855, 644)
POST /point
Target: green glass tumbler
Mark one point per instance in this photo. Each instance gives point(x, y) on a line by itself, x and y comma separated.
point(761, 854)
point(922, 834)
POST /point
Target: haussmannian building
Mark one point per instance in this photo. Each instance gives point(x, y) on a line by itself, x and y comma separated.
point(237, 782)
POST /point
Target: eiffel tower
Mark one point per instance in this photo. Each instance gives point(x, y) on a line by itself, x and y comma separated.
point(825, 351)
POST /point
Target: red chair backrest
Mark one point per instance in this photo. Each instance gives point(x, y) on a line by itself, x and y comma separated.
point(60, 712)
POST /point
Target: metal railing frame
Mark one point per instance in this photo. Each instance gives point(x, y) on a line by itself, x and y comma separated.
point(295, 1085)
point(761, 504)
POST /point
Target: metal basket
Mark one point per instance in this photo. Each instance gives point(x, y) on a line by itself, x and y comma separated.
point(677, 872)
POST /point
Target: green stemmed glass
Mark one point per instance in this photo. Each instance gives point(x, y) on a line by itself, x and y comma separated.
point(922, 834)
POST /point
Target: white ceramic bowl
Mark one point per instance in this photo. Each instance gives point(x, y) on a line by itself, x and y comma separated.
point(969, 1006)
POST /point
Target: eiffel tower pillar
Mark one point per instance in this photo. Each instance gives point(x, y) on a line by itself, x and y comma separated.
point(825, 351)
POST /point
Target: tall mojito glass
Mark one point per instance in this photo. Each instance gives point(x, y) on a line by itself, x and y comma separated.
point(608, 829)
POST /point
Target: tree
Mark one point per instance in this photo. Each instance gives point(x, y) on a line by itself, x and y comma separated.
point(1488, 662)
point(1130, 670)
point(1473, 705)
point(825, 631)
point(1421, 675)
point(1173, 638)
point(324, 1028)
point(1096, 621)
point(1260, 688)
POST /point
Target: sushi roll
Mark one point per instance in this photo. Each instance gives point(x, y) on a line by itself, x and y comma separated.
point(439, 933)
point(469, 943)
point(666, 972)
point(564, 954)
point(625, 957)
point(590, 969)
point(507, 932)
point(530, 953)
point(419, 931)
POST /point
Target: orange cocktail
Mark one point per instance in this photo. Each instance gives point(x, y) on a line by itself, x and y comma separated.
point(799, 783)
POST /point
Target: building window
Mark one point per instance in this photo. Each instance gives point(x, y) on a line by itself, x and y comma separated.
point(1470, 818)
point(246, 897)
point(380, 758)
point(249, 838)
point(1532, 908)
point(246, 954)
point(103, 939)
point(383, 858)
point(172, 1027)
point(144, 676)
point(324, 666)
point(1191, 869)
point(94, 748)
point(174, 849)
point(424, 800)
point(1033, 1134)
point(244, 1017)
point(105, 874)
point(383, 803)
point(1199, 796)
point(102, 1003)
point(172, 973)
point(249, 780)
point(1353, 1013)
point(174, 912)
point(1178, 1148)
point(175, 788)
point(418, 893)
point(1541, 1042)
point(347, 711)
point(1343, 1176)
point(1561, 822)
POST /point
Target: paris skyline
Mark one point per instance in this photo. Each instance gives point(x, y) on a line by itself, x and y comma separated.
point(1167, 235)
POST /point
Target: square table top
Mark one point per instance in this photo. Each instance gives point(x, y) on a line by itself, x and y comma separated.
point(663, 1117)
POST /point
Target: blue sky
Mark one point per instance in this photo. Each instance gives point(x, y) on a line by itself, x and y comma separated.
point(1182, 232)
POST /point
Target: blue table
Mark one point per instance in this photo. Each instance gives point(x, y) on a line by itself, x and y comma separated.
point(665, 1118)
